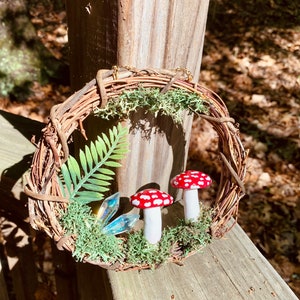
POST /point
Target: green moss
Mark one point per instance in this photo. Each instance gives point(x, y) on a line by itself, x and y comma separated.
point(140, 252)
point(185, 237)
point(91, 243)
point(172, 103)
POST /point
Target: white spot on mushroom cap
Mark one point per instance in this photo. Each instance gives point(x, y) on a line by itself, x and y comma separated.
point(167, 202)
point(188, 180)
point(191, 180)
point(135, 202)
point(158, 202)
point(150, 198)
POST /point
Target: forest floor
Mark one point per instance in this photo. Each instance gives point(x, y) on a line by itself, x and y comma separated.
point(252, 60)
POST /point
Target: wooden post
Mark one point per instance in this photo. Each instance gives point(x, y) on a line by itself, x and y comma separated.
point(143, 34)
point(162, 34)
point(159, 34)
point(92, 31)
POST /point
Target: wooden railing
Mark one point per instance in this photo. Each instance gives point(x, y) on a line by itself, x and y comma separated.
point(230, 268)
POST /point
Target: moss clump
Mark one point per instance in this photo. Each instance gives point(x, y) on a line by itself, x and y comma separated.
point(91, 243)
point(79, 221)
point(172, 103)
point(140, 252)
point(183, 238)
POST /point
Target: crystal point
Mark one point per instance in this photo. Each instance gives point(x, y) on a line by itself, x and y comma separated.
point(121, 224)
point(108, 208)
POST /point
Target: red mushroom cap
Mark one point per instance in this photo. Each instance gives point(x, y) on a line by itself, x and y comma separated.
point(151, 198)
point(191, 180)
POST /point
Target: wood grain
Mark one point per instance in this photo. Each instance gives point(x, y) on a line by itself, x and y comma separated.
point(162, 34)
point(230, 268)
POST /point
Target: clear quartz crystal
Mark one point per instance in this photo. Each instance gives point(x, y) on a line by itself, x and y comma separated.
point(108, 208)
point(121, 224)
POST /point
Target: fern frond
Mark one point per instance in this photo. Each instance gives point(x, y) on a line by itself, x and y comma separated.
point(89, 180)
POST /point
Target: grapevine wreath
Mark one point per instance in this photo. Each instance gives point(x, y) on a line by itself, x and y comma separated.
point(61, 187)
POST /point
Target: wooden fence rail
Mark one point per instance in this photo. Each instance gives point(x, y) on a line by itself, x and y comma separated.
point(230, 268)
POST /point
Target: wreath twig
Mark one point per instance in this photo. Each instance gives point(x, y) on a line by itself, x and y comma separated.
point(47, 200)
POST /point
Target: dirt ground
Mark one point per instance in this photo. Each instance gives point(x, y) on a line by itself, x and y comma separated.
point(251, 59)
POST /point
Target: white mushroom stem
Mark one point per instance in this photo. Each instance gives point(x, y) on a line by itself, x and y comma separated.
point(153, 225)
point(191, 205)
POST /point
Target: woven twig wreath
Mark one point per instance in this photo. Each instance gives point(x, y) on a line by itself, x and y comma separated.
point(45, 196)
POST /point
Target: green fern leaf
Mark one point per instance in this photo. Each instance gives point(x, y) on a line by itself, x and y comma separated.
point(112, 164)
point(98, 182)
point(111, 134)
point(106, 140)
point(101, 148)
point(62, 187)
point(88, 156)
point(88, 181)
point(66, 177)
point(74, 169)
point(102, 176)
point(83, 161)
point(116, 156)
point(86, 197)
point(94, 188)
point(94, 152)
point(106, 171)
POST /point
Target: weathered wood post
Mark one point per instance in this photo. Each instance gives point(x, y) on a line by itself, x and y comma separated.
point(157, 34)
point(142, 34)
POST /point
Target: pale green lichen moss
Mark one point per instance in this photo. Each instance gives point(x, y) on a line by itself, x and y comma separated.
point(172, 103)
point(185, 238)
point(92, 244)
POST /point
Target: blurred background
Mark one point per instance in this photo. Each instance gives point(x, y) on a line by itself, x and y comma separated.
point(251, 59)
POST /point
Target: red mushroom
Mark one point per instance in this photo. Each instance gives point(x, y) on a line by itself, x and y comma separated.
point(190, 182)
point(151, 201)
